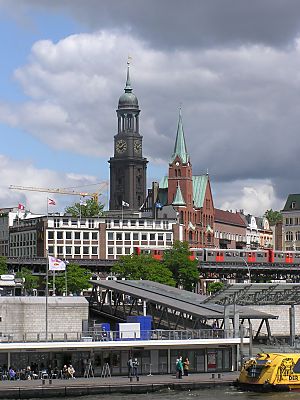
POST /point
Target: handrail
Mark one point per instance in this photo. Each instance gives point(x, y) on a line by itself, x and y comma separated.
point(96, 336)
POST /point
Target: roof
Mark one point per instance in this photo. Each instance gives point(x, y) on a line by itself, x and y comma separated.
point(180, 149)
point(199, 189)
point(292, 203)
point(178, 199)
point(228, 217)
point(176, 299)
point(258, 294)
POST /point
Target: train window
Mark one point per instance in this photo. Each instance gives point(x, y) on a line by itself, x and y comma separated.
point(297, 255)
point(242, 254)
point(259, 255)
point(228, 253)
point(209, 253)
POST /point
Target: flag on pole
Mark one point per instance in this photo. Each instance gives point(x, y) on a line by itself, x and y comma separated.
point(21, 207)
point(124, 204)
point(51, 202)
point(55, 264)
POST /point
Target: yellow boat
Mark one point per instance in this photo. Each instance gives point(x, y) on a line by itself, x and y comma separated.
point(271, 372)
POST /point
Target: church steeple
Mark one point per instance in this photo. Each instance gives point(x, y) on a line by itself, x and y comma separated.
point(128, 166)
point(180, 149)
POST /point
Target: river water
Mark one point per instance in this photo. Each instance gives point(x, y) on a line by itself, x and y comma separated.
point(226, 393)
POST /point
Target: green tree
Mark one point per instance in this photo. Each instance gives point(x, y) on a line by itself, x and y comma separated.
point(273, 216)
point(91, 208)
point(3, 266)
point(214, 287)
point(144, 267)
point(184, 270)
point(30, 281)
point(77, 279)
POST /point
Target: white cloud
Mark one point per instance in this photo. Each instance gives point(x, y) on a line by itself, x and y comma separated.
point(252, 196)
point(22, 173)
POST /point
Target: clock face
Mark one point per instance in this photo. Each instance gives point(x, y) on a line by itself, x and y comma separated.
point(137, 146)
point(121, 146)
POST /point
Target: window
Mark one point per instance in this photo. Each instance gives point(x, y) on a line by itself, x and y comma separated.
point(59, 235)
point(94, 250)
point(85, 250)
point(59, 249)
point(297, 235)
point(125, 222)
point(116, 222)
point(127, 250)
point(86, 235)
point(65, 221)
point(50, 235)
point(135, 236)
point(127, 236)
point(144, 236)
point(91, 223)
point(74, 222)
point(289, 236)
point(77, 250)
point(51, 250)
point(119, 236)
point(77, 235)
point(133, 222)
point(293, 205)
point(56, 223)
point(168, 236)
point(68, 235)
point(152, 236)
point(94, 235)
point(110, 250)
point(68, 250)
point(119, 250)
point(141, 222)
point(110, 236)
point(160, 236)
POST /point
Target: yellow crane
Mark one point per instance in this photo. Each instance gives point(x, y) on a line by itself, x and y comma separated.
point(58, 191)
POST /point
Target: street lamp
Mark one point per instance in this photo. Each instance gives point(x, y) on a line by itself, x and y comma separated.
point(249, 273)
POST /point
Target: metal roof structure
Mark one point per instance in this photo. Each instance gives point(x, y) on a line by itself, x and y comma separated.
point(258, 294)
point(170, 300)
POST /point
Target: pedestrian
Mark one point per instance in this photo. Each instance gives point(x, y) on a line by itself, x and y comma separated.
point(179, 368)
point(130, 367)
point(186, 367)
point(135, 365)
point(71, 371)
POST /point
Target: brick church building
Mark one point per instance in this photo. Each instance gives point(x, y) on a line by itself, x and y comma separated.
point(189, 194)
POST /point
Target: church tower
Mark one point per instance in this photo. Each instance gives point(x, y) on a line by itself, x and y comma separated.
point(128, 166)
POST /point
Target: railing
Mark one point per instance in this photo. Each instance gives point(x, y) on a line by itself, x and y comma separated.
point(97, 336)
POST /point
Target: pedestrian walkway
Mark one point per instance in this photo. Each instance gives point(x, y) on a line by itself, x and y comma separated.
point(115, 384)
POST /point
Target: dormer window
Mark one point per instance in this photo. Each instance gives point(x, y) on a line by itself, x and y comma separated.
point(293, 205)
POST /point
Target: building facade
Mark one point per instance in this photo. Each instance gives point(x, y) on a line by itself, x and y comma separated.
point(265, 233)
point(190, 195)
point(291, 223)
point(128, 166)
point(230, 230)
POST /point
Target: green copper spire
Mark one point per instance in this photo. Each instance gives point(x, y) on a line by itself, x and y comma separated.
point(180, 145)
point(178, 199)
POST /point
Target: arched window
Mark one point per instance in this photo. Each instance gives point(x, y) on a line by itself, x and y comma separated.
point(176, 172)
point(289, 236)
point(298, 235)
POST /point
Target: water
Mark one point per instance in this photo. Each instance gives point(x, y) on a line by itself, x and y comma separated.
point(206, 394)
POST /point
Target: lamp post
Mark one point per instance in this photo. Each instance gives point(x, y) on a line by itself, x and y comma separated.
point(249, 273)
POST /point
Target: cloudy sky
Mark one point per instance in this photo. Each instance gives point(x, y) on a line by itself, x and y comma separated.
point(233, 66)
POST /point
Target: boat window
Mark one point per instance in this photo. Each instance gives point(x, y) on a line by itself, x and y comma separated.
point(255, 370)
point(297, 367)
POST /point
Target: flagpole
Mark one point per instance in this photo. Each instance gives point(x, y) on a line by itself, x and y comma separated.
point(47, 294)
point(53, 283)
point(66, 281)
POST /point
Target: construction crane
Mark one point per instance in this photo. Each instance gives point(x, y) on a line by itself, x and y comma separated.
point(57, 191)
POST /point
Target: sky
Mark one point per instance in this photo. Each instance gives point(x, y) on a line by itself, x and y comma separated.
point(233, 66)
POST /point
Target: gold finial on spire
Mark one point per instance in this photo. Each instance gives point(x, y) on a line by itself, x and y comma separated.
point(129, 58)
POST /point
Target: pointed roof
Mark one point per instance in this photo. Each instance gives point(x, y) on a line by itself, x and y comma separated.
point(178, 199)
point(128, 88)
point(128, 100)
point(180, 149)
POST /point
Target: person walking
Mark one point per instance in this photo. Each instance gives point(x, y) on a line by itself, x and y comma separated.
point(186, 367)
point(130, 367)
point(135, 368)
point(179, 368)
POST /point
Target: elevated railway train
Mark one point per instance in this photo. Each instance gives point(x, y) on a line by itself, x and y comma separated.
point(259, 256)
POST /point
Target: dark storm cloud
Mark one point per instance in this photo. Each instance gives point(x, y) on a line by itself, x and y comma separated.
point(193, 23)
